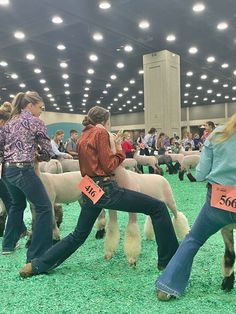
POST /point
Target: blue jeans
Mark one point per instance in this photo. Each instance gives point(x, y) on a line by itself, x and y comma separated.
point(23, 183)
point(6, 198)
point(176, 275)
point(118, 199)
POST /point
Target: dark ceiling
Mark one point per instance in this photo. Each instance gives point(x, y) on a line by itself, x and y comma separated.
point(119, 26)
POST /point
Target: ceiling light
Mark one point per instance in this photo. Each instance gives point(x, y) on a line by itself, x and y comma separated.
point(108, 85)
point(196, 96)
point(42, 81)
point(22, 85)
point(120, 95)
point(90, 71)
point(199, 87)
point(203, 77)
point(88, 81)
point(4, 2)
point(130, 110)
point(67, 92)
point(104, 5)
point(133, 97)
point(234, 87)
point(108, 107)
point(120, 65)
point(187, 85)
point(132, 81)
point(65, 76)
point(194, 103)
point(128, 48)
point(213, 100)
point(37, 70)
point(193, 50)
point(86, 95)
point(49, 95)
point(234, 72)
point(140, 103)
point(84, 111)
point(134, 107)
point(211, 59)
point(215, 81)
point(63, 65)
point(128, 101)
point(57, 19)
point(171, 37)
point(225, 85)
point(115, 99)
point(209, 91)
point(185, 102)
point(84, 100)
point(93, 57)
point(233, 98)
point(66, 85)
point(224, 65)
point(71, 109)
point(86, 88)
point(140, 72)
point(57, 108)
point(205, 99)
point(198, 7)
point(19, 35)
point(52, 99)
point(140, 92)
point(105, 92)
point(189, 73)
point(11, 96)
point(30, 56)
point(97, 36)
point(46, 89)
point(222, 26)
point(98, 101)
point(218, 95)
point(61, 47)
point(126, 89)
point(3, 63)
point(227, 97)
point(113, 77)
point(14, 76)
point(186, 94)
point(144, 24)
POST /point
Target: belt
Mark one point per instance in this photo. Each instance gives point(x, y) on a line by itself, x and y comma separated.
point(103, 178)
point(18, 164)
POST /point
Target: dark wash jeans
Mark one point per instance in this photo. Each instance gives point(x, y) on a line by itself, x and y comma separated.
point(23, 183)
point(7, 200)
point(118, 199)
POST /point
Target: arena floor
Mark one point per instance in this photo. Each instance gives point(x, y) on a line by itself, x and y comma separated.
point(86, 283)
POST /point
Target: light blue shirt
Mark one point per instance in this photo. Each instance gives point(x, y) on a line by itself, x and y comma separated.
point(218, 161)
point(56, 150)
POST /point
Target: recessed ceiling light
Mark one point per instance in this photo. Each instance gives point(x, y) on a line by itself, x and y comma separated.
point(190, 73)
point(30, 56)
point(171, 37)
point(225, 85)
point(42, 81)
point(84, 111)
point(194, 103)
point(14, 76)
point(19, 35)
point(234, 87)
point(67, 92)
point(22, 85)
point(215, 81)
point(90, 71)
point(234, 72)
point(130, 110)
point(88, 81)
point(84, 100)
point(108, 85)
point(193, 50)
point(66, 85)
point(203, 77)
point(132, 81)
point(63, 65)
point(126, 89)
point(86, 88)
point(37, 70)
point(3, 63)
point(65, 76)
point(98, 101)
point(113, 77)
point(226, 97)
point(61, 47)
point(140, 92)
point(4, 2)
point(140, 103)
point(133, 97)
point(57, 108)
point(211, 59)
point(108, 107)
point(222, 26)
point(49, 95)
point(144, 24)
point(140, 72)
point(134, 107)
point(52, 99)
point(120, 95)
point(199, 88)
point(104, 5)
point(105, 92)
point(218, 95)
point(196, 96)
point(198, 7)
point(57, 19)
point(224, 65)
point(186, 94)
point(128, 48)
point(185, 102)
point(120, 65)
point(46, 89)
point(128, 101)
point(93, 57)
point(86, 95)
point(213, 100)
point(71, 109)
point(97, 36)
point(233, 98)
point(205, 99)
point(187, 85)
point(115, 99)
point(209, 91)
point(11, 96)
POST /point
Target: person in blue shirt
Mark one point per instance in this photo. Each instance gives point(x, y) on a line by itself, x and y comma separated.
point(218, 166)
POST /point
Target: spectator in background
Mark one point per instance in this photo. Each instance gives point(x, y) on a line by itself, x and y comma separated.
point(128, 146)
point(209, 127)
point(187, 141)
point(71, 144)
point(160, 144)
point(149, 141)
point(197, 141)
point(140, 142)
point(57, 145)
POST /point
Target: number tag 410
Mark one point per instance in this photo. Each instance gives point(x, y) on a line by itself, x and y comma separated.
point(224, 197)
point(90, 189)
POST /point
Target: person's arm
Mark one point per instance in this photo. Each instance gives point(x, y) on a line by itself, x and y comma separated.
point(108, 160)
point(57, 152)
point(205, 164)
point(43, 141)
point(146, 140)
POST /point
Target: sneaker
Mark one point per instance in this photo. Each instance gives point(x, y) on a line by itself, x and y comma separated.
point(26, 271)
point(11, 252)
point(163, 296)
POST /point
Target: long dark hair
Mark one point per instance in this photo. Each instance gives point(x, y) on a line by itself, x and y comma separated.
point(21, 100)
point(96, 115)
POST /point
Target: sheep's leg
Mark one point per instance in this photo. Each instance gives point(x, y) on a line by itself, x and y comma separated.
point(101, 225)
point(228, 259)
point(58, 214)
point(181, 175)
point(56, 231)
point(132, 241)
point(112, 235)
point(191, 177)
point(148, 229)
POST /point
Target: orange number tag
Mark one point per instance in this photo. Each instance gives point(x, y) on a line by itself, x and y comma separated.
point(0, 170)
point(224, 197)
point(90, 189)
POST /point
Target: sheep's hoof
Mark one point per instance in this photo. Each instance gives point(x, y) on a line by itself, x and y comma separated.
point(181, 175)
point(100, 234)
point(191, 177)
point(228, 283)
point(108, 256)
point(132, 262)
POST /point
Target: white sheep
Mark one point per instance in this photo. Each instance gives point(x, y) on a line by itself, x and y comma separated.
point(188, 162)
point(51, 166)
point(69, 164)
point(150, 161)
point(131, 164)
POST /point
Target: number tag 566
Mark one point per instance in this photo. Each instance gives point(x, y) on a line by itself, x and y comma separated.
point(224, 197)
point(90, 189)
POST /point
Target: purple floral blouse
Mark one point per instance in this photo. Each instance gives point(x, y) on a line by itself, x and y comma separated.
point(20, 138)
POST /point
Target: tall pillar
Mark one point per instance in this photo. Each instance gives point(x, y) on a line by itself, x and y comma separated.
point(162, 92)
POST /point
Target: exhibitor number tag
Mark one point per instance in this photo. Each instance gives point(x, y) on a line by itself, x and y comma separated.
point(91, 189)
point(224, 197)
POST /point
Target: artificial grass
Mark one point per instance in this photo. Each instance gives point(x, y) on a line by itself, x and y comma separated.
point(86, 283)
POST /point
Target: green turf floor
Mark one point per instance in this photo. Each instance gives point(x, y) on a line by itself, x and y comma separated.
point(86, 283)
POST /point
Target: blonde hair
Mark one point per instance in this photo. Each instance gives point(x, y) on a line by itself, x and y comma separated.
point(21, 100)
point(229, 129)
point(5, 111)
